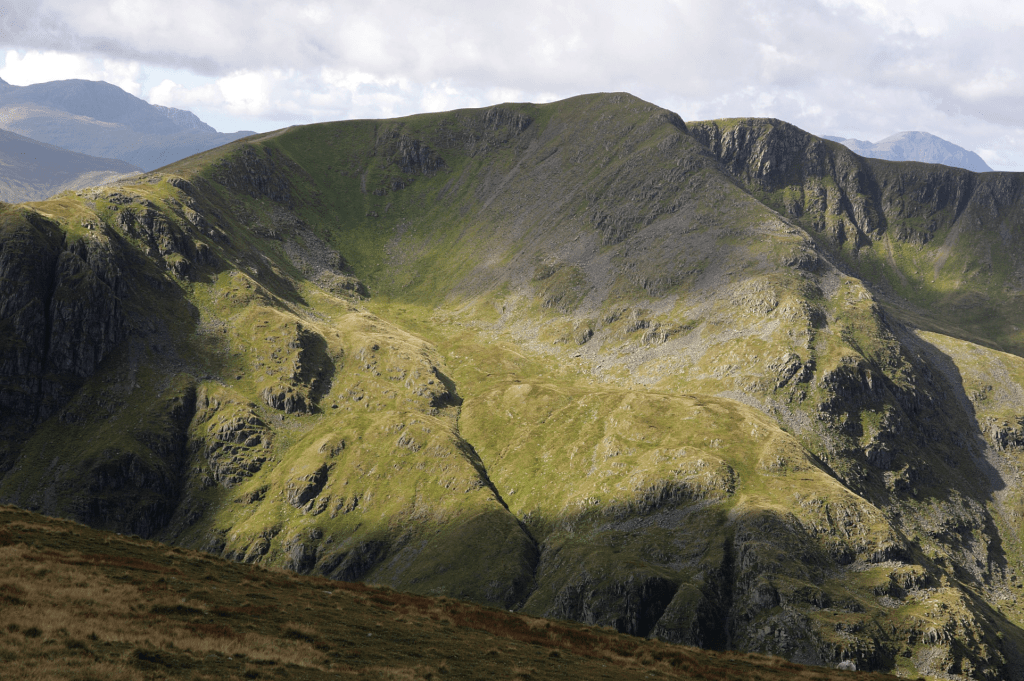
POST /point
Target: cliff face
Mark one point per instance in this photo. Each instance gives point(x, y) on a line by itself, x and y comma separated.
point(691, 381)
point(61, 302)
point(943, 239)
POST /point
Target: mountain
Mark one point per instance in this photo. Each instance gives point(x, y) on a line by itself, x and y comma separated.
point(100, 119)
point(80, 603)
point(719, 383)
point(917, 146)
point(31, 170)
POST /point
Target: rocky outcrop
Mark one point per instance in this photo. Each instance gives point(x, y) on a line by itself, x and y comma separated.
point(699, 612)
point(28, 256)
point(61, 309)
point(305, 369)
point(129, 484)
point(632, 603)
point(504, 118)
point(828, 187)
point(1005, 435)
point(399, 158)
point(300, 554)
point(303, 490)
point(284, 398)
point(415, 157)
point(319, 262)
point(87, 319)
point(254, 170)
point(230, 435)
point(824, 186)
point(137, 490)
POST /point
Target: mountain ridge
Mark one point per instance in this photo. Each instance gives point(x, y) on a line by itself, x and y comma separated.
point(582, 359)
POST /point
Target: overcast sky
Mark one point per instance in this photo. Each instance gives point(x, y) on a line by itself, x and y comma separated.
point(854, 68)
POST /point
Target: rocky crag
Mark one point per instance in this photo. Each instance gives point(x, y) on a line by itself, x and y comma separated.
point(721, 383)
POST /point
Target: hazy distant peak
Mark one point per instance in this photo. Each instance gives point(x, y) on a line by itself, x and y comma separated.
point(914, 145)
point(100, 119)
point(33, 170)
point(97, 100)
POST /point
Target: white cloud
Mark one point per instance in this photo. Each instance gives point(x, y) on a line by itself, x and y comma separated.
point(245, 92)
point(996, 159)
point(441, 97)
point(167, 93)
point(124, 75)
point(170, 93)
point(317, 12)
point(995, 82)
point(35, 67)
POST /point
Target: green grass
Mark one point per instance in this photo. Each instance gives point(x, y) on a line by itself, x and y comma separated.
point(454, 434)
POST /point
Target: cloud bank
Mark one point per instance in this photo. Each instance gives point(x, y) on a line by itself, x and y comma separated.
point(856, 68)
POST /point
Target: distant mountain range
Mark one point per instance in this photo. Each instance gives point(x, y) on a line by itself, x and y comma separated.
point(916, 146)
point(100, 119)
point(31, 170)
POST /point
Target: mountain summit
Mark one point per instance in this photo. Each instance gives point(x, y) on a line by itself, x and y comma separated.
point(100, 119)
point(720, 383)
point(917, 146)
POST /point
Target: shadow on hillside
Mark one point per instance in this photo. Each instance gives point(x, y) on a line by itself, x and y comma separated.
point(959, 439)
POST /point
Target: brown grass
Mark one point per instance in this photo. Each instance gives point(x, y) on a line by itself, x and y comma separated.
point(76, 603)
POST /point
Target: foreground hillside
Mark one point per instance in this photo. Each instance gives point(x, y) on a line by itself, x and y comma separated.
point(722, 383)
point(79, 603)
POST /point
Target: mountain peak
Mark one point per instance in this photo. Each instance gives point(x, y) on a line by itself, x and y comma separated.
point(101, 119)
point(916, 145)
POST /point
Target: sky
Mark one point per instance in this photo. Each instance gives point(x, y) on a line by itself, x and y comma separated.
point(854, 68)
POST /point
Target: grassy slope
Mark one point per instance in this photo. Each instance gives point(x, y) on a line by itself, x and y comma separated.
point(80, 603)
point(398, 473)
point(857, 333)
point(600, 215)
